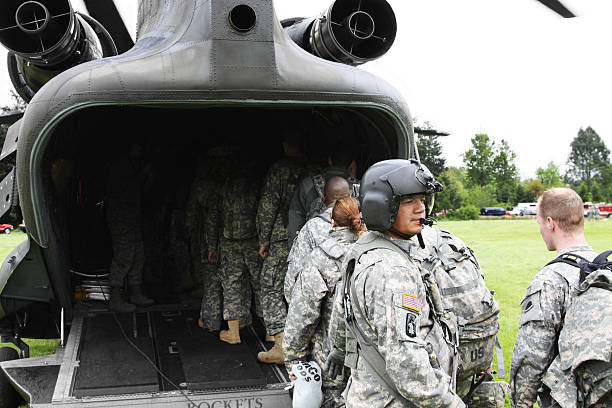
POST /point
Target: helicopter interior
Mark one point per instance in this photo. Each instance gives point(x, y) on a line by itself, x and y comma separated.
point(175, 144)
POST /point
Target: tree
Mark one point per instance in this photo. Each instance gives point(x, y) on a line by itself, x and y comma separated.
point(589, 157)
point(550, 176)
point(454, 194)
point(430, 149)
point(505, 173)
point(479, 160)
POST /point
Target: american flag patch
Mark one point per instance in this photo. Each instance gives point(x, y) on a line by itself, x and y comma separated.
point(411, 302)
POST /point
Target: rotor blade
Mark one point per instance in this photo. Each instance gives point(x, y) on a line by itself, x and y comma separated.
point(8, 118)
point(429, 132)
point(107, 14)
point(558, 8)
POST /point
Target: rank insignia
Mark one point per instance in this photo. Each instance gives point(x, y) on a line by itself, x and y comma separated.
point(411, 302)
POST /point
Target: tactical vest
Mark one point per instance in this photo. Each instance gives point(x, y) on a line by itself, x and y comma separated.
point(463, 290)
point(581, 374)
point(357, 343)
point(318, 181)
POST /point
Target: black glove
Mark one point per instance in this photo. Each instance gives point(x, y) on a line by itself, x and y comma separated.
point(334, 364)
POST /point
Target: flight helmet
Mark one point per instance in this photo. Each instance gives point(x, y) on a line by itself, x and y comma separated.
point(384, 185)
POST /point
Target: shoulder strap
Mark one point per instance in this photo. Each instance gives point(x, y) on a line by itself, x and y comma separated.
point(585, 266)
point(318, 182)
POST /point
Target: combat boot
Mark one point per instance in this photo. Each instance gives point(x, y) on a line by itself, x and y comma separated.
point(138, 298)
point(269, 339)
point(231, 336)
point(275, 355)
point(118, 303)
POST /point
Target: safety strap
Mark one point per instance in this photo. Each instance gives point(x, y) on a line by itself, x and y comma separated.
point(319, 183)
point(501, 370)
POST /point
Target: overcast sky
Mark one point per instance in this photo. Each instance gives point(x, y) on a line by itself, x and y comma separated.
point(508, 68)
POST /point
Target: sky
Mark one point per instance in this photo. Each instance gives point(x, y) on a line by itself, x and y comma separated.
point(509, 68)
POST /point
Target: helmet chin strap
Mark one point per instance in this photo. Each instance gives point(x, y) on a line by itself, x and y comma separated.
point(406, 236)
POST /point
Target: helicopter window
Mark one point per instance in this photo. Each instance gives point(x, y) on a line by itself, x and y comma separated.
point(242, 18)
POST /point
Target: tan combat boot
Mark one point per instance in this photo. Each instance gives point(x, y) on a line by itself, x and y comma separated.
point(231, 336)
point(275, 355)
point(269, 339)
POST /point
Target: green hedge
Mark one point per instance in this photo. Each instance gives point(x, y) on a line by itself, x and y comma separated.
point(468, 212)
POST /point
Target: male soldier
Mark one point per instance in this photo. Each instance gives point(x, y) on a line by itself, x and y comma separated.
point(279, 186)
point(205, 191)
point(307, 200)
point(314, 232)
point(240, 262)
point(123, 216)
point(560, 215)
point(400, 352)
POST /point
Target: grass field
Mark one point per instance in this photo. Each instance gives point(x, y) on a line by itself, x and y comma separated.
point(510, 251)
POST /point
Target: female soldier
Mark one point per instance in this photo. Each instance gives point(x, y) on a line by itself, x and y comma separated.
point(306, 328)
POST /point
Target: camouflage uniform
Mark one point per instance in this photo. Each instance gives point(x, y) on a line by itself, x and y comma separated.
point(306, 335)
point(305, 194)
point(311, 235)
point(124, 220)
point(205, 191)
point(280, 184)
point(240, 264)
point(543, 310)
point(384, 279)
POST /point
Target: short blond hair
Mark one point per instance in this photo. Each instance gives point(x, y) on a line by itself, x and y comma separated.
point(564, 206)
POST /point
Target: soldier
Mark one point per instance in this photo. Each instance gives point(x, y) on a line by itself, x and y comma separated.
point(400, 352)
point(307, 200)
point(311, 304)
point(205, 191)
point(313, 232)
point(123, 216)
point(232, 217)
point(279, 186)
point(561, 219)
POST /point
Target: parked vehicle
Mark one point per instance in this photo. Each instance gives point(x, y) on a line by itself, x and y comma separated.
point(492, 211)
point(604, 210)
point(528, 208)
point(6, 228)
point(516, 211)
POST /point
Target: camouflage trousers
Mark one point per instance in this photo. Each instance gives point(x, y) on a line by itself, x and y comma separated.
point(128, 252)
point(211, 311)
point(272, 284)
point(332, 397)
point(240, 265)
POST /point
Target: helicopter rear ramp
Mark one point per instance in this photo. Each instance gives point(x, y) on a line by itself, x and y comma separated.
point(98, 367)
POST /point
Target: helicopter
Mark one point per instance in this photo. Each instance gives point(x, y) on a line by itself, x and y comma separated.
point(201, 74)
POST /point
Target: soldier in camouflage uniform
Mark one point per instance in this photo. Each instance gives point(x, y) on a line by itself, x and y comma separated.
point(205, 192)
point(311, 304)
point(308, 195)
point(391, 304)
point(313, 232)
point(561, 220)
point(232, 217)
point(124, 220)
point(279, 186)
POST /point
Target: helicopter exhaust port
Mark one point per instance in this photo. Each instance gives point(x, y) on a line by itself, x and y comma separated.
point(349, 31)
point(242, 18)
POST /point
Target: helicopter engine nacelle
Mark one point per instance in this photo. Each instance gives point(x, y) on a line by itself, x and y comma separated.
point(45, 38)
point(350, 31)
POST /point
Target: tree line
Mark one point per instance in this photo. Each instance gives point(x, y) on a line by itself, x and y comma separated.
point(489, 175)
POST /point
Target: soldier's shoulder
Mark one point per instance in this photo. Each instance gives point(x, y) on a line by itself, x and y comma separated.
point(383, 258)
point(557, 274)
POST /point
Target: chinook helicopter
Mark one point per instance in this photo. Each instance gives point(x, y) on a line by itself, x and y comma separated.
point(201, 74)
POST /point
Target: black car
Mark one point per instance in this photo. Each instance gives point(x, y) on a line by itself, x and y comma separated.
point(492, 211)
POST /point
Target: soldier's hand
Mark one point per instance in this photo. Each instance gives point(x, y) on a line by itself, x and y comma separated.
point(212, 257)
point(334, 364)
point(264, 250)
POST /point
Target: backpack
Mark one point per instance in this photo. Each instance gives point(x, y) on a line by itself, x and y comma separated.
point(464, 291)
point(581, 374)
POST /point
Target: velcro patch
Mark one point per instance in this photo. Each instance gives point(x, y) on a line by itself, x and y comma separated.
point(411, 302)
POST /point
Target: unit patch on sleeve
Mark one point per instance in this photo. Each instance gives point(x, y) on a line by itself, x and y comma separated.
point(411, 302)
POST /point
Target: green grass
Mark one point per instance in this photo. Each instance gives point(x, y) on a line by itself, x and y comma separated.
point(510, 251)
